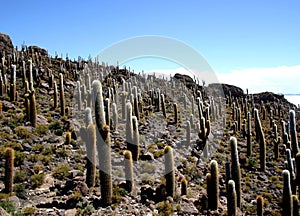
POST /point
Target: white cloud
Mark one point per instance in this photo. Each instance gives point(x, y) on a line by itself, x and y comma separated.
point(282, 79)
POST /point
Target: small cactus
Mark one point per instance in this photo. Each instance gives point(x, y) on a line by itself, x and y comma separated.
point(287, 203)
point(129, 126)
point(128, 170)
point(260, 205)
point(184, 185)
point(231, 199)
point(88, 119)
point(169, 171)
point(9, 170)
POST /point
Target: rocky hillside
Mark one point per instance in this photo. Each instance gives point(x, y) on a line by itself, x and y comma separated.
point(86, 138)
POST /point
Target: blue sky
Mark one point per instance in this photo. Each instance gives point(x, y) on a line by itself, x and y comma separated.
point(230, 35)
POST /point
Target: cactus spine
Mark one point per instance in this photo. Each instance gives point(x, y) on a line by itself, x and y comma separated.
point(213, 192)
point(62, 94)
point(169, 171)
point(235, 169)
point(128, 170)
point(231, 199)
point(9, 170)
point(91, 155)
point(287, 203)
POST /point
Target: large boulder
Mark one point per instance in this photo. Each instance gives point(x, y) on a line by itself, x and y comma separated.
point(6, 44)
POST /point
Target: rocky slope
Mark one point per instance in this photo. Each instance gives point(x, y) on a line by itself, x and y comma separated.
point(50, 169)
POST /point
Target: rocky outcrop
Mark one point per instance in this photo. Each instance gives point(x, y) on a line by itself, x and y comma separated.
point(6, 44)
point(36, 49)
point(227, 89)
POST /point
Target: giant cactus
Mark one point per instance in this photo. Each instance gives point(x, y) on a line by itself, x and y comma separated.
point(90, 141)
point(294, 139)
point(213, 186)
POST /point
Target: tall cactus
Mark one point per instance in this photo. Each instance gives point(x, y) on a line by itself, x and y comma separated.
point(103, 145)
point(293, 131)
point(129, 126)
point(13, 83)
point(261, 138)
point(231, 199)
point(135, 150)
point(98, 103)
point(61, 94)
point(31, 104)
point(188, 133)
point(90, 142)
point(287, 203)
point(163, 106)
point(136, 102)
point(248, 134)
point(115, 116)
point(128, 170)
point(176, 119)
point(55, 95)
point(169, 171)
point(203, 133)
point(213, 195)
point(235, 169)
point(9, 170)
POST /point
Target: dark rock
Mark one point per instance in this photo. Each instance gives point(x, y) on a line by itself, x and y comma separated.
point(6, 105)
point(6, 44)
point(186, 79)
point(36, 49)
point(146, 157)
point(216, 88)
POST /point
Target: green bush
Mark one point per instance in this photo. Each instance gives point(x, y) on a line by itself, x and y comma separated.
point(37, 180)
point(61, 172)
